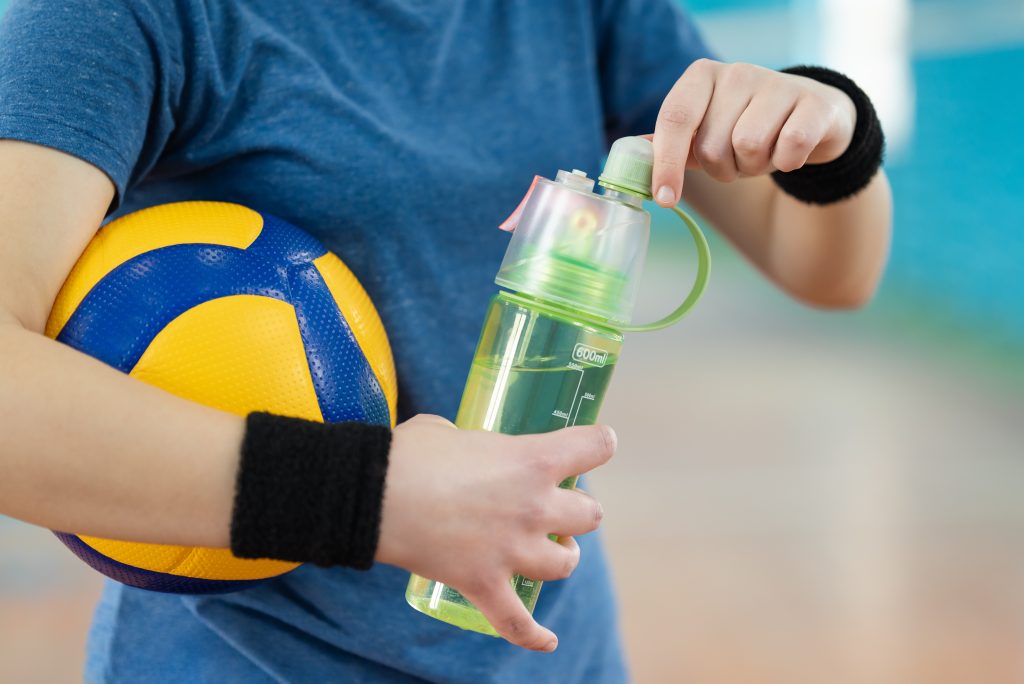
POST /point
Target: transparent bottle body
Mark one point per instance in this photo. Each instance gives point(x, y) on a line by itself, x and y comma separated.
point(536, 369)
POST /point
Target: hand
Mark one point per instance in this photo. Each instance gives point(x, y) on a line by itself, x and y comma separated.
point(472, 509)
point(741, 120)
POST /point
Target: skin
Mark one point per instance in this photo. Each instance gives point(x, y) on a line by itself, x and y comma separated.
point(723, 128)
point(73, 428)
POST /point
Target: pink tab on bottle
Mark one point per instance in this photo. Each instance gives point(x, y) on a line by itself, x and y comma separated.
point(512, 221)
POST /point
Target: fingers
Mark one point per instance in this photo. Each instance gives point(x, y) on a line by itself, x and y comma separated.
point(572, 512)
point(800, 135)
point(498, 601)
point(681, 115)
point(755, 133)
point(571, 451)
point(736, 120)
point(505, 611)
point(550, 560)
point(570, 543)
point(713, 146)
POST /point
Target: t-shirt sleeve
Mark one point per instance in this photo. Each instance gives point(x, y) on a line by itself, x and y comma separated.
point(97, 79)
point(644, 46)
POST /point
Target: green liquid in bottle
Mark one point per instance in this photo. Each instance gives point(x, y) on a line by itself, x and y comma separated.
point(535, 370)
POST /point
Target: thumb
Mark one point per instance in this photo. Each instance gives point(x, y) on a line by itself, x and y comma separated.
point(574, 450)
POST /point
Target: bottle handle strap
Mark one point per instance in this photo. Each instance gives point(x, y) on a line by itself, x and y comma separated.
point(700, 282)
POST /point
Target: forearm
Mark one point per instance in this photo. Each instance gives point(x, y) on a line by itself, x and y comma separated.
point(85, 449)
point(830, 256)
point(833, 255)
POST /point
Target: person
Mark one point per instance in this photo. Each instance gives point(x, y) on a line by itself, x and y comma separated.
point(400, 133)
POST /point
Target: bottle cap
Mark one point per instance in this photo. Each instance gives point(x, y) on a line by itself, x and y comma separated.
point(586, 251)
point(577, 248)
point(629, 167)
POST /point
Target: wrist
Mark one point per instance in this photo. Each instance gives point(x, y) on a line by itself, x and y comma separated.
point(309, 492)
point(850, 172)
point(396, 509)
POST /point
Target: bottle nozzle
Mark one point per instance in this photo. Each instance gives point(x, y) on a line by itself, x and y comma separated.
point(629, 167)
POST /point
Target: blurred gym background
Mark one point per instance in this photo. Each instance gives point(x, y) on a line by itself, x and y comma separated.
point(799, 496)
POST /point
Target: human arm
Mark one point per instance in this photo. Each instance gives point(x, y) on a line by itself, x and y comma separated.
point(84, 448)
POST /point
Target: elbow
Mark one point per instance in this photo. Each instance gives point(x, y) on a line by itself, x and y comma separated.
point(842, 294)
point(849, 300)
point(841, 265)
point(848, 282)
point(853, 302)
point(861, 296)
point(10, 321)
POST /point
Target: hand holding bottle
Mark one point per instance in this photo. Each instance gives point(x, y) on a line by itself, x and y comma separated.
point(472, 509)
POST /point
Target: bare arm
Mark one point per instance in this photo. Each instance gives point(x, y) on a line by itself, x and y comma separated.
point(829, 256)
point(728, 126)
point(84, 448)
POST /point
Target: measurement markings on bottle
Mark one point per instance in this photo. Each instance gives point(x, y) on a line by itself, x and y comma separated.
point(570, 415)
point(592, 356)
point(587, 396)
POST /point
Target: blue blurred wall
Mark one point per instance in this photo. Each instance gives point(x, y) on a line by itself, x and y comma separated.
point(959, 241)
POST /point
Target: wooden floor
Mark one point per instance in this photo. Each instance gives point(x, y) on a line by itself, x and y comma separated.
point(835, 505)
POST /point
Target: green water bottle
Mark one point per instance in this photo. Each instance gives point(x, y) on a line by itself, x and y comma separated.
point(552, 338)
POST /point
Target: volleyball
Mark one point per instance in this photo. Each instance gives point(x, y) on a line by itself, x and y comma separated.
point(234, 309)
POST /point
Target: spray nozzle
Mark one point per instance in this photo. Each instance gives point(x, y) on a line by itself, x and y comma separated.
point(629, 167)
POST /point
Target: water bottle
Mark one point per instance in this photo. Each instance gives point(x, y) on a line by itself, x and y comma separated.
point(552, 337)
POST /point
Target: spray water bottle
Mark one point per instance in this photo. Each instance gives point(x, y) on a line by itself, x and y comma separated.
point(552, 338)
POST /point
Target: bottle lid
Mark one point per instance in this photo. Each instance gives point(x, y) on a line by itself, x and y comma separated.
point(629, 166)
point(577, 248)
point(583, 250)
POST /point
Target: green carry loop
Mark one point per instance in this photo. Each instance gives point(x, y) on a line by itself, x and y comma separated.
point(700, 282)
point(628, 169)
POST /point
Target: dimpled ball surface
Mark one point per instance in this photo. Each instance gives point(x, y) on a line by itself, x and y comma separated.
point(234, 309)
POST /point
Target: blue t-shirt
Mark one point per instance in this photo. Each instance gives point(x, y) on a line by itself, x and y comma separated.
point(400, 133)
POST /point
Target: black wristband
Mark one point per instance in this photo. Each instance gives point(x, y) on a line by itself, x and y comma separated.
point(309, 492)
point(848, 174)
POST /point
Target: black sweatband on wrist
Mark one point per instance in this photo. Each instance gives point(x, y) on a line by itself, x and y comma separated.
point(309, 492)
point(849, 173)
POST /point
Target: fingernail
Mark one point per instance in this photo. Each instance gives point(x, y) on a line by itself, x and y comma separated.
point(551, 646)
point(613, 438)
point(665, 195)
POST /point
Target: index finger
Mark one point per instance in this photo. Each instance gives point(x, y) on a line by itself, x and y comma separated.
point(678, 120)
